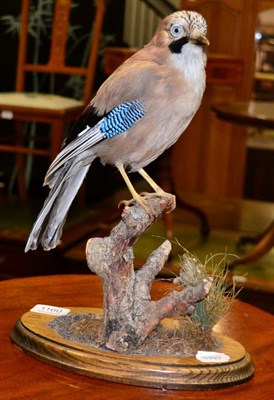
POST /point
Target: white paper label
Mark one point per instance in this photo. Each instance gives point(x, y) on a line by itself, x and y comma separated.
point(6, 114)
point(50, 310)
point(212, 357)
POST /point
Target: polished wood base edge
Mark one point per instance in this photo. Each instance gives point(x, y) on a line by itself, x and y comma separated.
point(33, 335)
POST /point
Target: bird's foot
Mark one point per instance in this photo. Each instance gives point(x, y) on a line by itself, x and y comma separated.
point(161, 193)
point(143, 197)
point(128, 203)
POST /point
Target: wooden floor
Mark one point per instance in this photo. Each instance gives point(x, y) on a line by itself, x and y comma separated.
point(228, 215)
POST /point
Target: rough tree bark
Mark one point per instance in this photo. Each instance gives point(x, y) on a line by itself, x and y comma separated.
point(129, 313)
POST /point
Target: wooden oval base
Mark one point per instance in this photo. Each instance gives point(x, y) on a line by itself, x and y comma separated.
point(33, 335)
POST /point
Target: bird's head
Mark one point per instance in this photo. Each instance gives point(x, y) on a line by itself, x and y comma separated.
point(179, 29)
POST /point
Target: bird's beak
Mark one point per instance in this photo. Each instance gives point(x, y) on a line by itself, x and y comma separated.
point(200, 40)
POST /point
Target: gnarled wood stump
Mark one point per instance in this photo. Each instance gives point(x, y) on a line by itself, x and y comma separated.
point(129, 313)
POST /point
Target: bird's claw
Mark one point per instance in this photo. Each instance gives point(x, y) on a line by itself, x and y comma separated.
point(171, 205)
point(126, 204)
point(141, 200)
point(138, 200)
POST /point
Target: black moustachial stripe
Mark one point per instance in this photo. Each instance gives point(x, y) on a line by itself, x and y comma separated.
point(176, 45)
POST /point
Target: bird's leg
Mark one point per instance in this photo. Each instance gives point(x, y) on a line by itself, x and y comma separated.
point(141, 199)
point(135, 195)
point(158, 190)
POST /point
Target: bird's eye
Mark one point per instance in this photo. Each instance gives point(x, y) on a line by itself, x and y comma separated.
point(175, 30)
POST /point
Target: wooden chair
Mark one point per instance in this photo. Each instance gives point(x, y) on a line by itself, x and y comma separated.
point(49, 108)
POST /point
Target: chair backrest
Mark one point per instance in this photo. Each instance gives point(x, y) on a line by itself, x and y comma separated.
point(57, 42)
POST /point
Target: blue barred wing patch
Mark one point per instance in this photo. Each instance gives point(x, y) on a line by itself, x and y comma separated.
point(117, 121)
point(122, 117)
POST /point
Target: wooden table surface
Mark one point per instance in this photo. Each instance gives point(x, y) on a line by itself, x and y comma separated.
point(250, 113)
point(22, 377)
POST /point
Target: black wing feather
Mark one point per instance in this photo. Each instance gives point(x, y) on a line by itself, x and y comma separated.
point(88, 117)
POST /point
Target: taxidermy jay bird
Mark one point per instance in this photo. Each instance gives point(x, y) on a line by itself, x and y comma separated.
point(137, 113)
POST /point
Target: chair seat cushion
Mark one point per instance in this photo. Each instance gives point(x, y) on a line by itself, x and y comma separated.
point(37, 100)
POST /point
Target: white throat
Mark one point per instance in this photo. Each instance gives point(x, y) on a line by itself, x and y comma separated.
point(191, 62)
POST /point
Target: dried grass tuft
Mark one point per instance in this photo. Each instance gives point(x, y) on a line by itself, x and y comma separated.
point(221, 295)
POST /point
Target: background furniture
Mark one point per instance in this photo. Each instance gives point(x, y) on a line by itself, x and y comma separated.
point(260, 115)
point(32, 379)
point(49, 108)
point(249, 113)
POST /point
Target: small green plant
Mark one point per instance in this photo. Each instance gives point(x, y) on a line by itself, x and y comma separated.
point(221, 295)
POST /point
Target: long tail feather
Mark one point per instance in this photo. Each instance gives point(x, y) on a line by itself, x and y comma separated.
point(85, 140)
point(48, 227)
